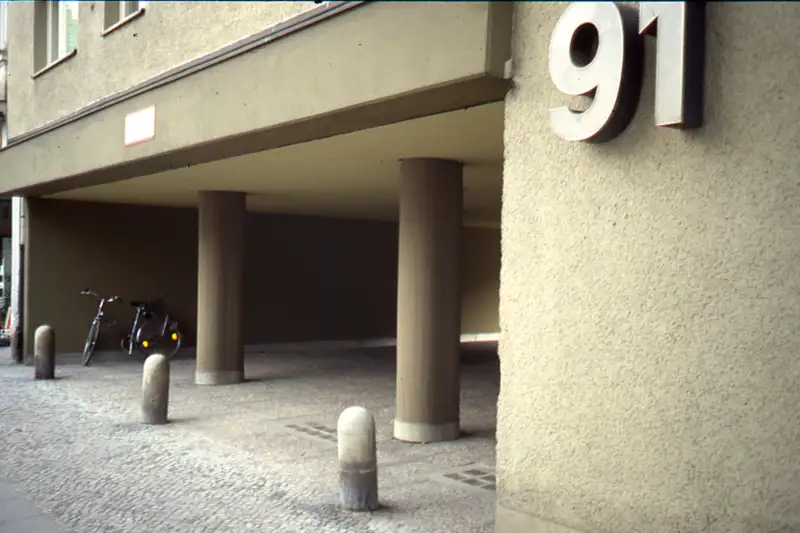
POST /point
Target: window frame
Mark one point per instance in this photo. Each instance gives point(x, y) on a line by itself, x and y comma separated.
point(120, 12)
point(58, 30)
point(128, 7)
point(51, 34)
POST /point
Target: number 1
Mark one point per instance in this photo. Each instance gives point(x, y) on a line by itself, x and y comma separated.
point(680, 50)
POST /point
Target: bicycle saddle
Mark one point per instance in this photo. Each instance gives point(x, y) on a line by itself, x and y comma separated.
point(139, 304)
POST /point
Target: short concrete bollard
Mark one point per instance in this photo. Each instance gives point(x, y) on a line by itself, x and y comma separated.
point(44, 353)
point(16, 345)
point(155, 389)
point(358, 463)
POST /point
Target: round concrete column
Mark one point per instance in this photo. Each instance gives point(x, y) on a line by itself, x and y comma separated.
point(429, 301)
point(220, 351)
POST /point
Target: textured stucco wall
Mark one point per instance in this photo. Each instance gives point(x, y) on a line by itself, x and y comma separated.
point(650, 299)
point(306, 278)
point(169, 33)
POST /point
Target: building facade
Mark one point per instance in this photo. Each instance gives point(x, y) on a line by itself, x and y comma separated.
point(5, 205)
point(3, 71)
point(611, 190)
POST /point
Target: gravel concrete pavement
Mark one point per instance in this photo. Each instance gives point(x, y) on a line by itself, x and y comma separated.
point(258, 456)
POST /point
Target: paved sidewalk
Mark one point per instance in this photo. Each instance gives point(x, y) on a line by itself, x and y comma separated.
point(259, 456)
point(19, 515)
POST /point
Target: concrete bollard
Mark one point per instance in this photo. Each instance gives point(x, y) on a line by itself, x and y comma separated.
point(155, 389)
point(44, 353)
point(16, 345)
point(358, 463)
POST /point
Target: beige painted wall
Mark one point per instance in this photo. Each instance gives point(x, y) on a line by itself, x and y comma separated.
point(480, 296)
point(305, 278)
point(650, 299)
point(128, 55)
point(439, 56)
point(139, 253)
point(319, 279)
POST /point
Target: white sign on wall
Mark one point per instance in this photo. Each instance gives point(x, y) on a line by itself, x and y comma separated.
point(140, 126)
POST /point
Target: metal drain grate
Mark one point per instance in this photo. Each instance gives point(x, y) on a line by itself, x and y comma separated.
point(313, 429)
point(478, 477)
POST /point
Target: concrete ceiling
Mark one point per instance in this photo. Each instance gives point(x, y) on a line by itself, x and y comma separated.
point(352, 176)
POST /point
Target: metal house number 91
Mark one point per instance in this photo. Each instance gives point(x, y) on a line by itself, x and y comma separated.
point(597, 51)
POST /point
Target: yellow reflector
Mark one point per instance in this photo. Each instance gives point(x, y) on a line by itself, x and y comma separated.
point(145, 344)
point(174, 336)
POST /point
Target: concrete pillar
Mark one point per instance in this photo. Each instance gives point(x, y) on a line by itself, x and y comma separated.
point(220, 350)
point(429, 301)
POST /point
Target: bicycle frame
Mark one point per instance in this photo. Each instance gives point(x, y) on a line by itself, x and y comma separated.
point(134, 327)
point(166, 324)
point(142, 313)
point(98, 316)
point(142, 316)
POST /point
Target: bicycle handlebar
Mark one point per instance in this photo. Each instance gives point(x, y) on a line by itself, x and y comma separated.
point(89, 292)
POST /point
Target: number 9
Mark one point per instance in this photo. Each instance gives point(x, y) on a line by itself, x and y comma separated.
point(595, 52)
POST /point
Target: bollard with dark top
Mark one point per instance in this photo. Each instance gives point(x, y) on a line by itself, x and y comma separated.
point(16, 345)
point(44, 353)
point(358, 464)
point(155, 389)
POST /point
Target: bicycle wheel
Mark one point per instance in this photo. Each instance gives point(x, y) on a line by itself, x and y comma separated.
point(91, 341)
point(153, 338)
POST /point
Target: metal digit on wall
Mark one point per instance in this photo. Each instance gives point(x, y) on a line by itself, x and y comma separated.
point(680, 57)
point(595, 51)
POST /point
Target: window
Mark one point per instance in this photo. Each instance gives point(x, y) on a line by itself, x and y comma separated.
point(62, 29)
point(55, 32)
point(117, 13)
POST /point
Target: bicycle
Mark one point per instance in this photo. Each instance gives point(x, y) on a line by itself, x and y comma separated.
point(149, 333)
